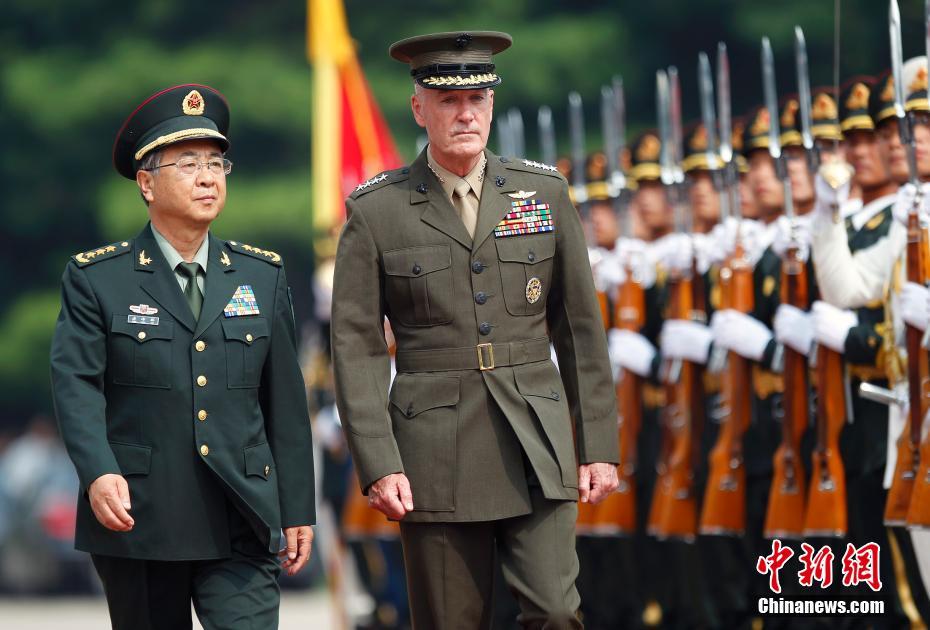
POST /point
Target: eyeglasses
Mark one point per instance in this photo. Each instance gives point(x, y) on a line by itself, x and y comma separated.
point(189, 166)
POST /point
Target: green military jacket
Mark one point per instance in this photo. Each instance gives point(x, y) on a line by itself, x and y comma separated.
point(455, 430)
point(200, 417)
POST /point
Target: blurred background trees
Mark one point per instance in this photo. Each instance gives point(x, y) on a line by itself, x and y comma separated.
point(71, 71)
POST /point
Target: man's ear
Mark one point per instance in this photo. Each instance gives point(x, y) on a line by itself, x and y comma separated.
point(416, 106)
point(146, 182)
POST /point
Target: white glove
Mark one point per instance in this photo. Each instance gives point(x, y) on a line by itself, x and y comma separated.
point(741, 333)
point(795, 232)
point(630, 351)
point(904, 201)
point(832, 325)
point(794, 328)
point(828, 198)
point(914, 303)
point(683, 339)
point(705, 251)
point(678, 253)
point(608, 273)
point(634, 253)
point(724, 237)
point(754, 237)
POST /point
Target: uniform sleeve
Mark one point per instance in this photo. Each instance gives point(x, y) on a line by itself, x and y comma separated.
point(78, 365)
point(287, 419)
point(577, 333)
point(848, 280)
point(360, 355)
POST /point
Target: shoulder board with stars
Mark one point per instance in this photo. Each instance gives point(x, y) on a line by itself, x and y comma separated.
point(101, 253)
point(262, 254)
point(530, 166)
point(380, 180)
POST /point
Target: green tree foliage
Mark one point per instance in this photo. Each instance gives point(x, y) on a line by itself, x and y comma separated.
point(73, 70)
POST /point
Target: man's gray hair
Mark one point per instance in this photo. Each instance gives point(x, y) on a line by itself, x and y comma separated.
point(150, 162)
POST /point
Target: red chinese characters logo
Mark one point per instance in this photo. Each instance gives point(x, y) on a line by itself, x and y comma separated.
point(817, 566)
point(860, 565)
point(773, 563)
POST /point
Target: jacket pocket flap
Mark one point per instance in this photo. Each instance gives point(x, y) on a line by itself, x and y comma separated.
point(120, 325)
point(526, 249)
point(133, 459)
point(245, 329)
point(258, 460)
point(416, 261)
point(416, 394)
point(539, 379)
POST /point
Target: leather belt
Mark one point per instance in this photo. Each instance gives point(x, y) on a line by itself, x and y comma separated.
point(484, 356)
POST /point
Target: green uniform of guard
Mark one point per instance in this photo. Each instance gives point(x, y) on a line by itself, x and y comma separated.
point(478, 418)
point(182, 378)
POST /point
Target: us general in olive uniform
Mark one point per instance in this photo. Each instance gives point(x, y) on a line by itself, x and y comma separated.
point(205, 417)
point(478, 418)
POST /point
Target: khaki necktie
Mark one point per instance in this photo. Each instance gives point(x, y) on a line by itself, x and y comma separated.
point(192, 291)
point(466, 204)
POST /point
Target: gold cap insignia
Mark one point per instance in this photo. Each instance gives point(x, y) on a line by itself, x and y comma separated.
point(859, 96)
point(533, 290)
point(193, 104)
point(919, 82)
point(761, 125)
point(699, 139)
point(824, 108)
point(789, 114)
point(888, 92)
point(738, 128)
point(649, 149)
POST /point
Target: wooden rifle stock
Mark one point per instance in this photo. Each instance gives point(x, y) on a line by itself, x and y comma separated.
point(784, 517)
point(918, 512)
point(673, 500)
point(826, 500)
point(617, 513)
point(724, 509)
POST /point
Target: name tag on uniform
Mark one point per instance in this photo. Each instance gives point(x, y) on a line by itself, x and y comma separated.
point(143, 319)
point(243, 302)
point(529, 216)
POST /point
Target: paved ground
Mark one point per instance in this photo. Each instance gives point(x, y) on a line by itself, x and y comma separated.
point(299, 611)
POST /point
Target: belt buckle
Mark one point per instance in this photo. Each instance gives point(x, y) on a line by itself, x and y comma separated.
point(481, 365)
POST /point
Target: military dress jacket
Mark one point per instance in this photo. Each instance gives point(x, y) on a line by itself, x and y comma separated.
point(472, 318)
point(200, 416)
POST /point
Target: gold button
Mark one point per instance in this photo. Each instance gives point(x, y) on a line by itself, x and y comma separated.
point(248, 337)
point(125, 243)
point(267, 470)
point(202, 415)
point(202, 380)
point(141, 334)
point(200, 345)
point(204, 450)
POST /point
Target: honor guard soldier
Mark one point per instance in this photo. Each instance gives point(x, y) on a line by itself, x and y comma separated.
point(178, 391)
point(477, 261)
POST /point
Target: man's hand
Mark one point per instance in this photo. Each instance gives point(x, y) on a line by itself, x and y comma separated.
point(391, 496)
point(596, 481)
point(109, 499)
point(299, 542)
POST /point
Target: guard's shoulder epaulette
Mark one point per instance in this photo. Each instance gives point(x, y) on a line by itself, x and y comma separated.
point(529, 166)
point(101, 253)
point(250, 250)
point(380, 181)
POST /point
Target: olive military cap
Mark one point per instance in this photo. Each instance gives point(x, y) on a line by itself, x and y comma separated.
point(452, 61)
point(183, 112)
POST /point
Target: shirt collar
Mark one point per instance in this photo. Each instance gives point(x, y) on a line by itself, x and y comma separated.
point(448, 179)
point(173, 257)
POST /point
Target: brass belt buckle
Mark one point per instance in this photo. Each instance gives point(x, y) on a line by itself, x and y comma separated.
point(481, 365)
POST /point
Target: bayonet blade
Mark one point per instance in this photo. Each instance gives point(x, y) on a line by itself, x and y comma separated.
point(662, 108)
point(804, 89)
point(576, 131)
point(515, 118)
point(620, 115)
point(547, 148)
point(897, 58)
point(609, 131)
point(723, 104)
point(674, 99)
point(771, 98)
point(708, 117)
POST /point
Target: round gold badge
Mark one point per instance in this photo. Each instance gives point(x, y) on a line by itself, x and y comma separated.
point(193, 104)
point(533, 290)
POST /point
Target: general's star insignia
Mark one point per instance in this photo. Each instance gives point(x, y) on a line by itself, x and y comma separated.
point(545, 167)
point(522, 194)
point(371, 182)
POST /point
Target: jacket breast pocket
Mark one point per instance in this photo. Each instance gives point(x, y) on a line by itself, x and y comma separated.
point(140, 355)
point(246, 348)
point(526, 271)
point(418, 285)
point(424, 414)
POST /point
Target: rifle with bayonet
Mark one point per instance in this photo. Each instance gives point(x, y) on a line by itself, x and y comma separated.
point(784, 517)
point(674, 499)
